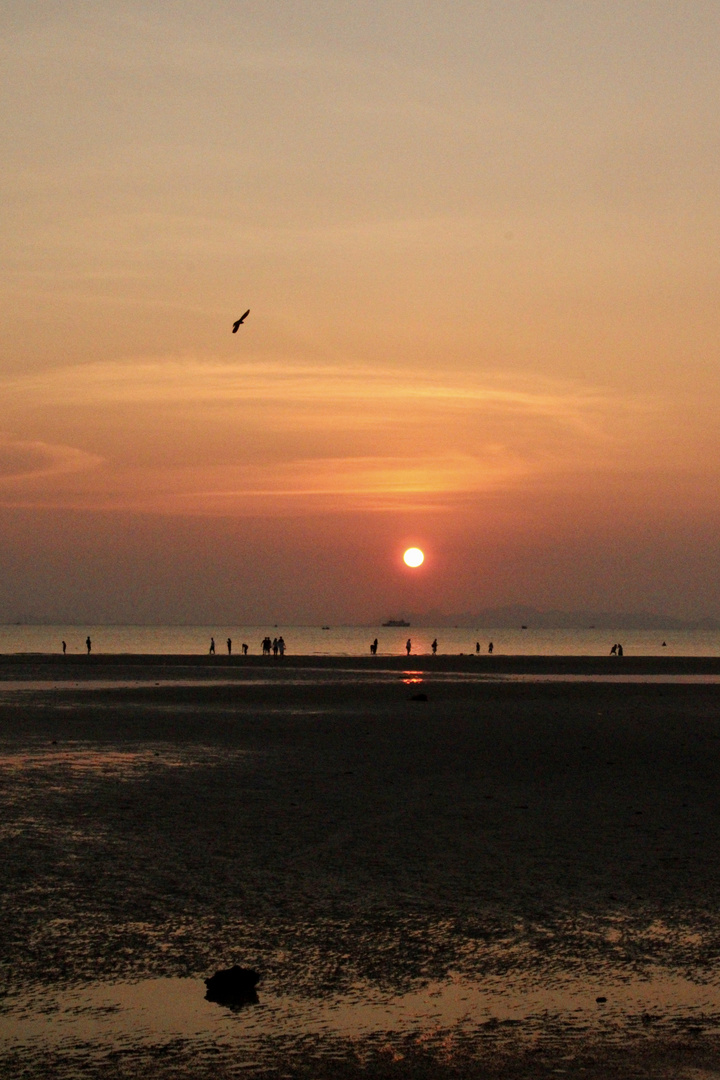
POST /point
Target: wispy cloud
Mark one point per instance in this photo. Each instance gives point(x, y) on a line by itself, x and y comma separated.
point(204, 436)
point(22, 460)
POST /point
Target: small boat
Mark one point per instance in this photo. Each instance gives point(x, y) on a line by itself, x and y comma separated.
point(396, 622)
point(324, 627)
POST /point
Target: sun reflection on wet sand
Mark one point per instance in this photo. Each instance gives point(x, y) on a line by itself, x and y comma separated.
point(16, 689)
point(88, 760)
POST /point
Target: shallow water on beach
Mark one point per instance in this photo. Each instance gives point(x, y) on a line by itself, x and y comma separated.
point(155, 1011)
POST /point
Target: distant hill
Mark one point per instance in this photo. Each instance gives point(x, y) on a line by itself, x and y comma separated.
point(516, 616)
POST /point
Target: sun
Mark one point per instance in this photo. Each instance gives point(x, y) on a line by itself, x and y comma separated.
point(414, 557)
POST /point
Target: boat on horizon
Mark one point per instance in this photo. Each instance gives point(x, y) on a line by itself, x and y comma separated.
point(396, 622)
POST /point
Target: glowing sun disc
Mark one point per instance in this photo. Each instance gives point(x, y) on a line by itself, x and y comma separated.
point(414, 557)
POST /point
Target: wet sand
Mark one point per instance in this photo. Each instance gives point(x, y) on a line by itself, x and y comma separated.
point(429, 888)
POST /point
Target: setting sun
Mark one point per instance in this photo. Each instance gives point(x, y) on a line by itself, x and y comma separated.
point(414, 557)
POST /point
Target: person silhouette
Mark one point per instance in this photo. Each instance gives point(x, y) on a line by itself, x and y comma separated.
point(613, 651)
point(88, 644)
point(281, 645)
point(490, 647)
point(477, 646)
point(212, 646)
point(620, 650)
point(64, 645)
point(434, 647)
point(373, 647)
point(408, 646)
point(244, 649)
point(229, 645)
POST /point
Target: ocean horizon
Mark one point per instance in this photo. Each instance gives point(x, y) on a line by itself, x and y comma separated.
point(353, 640)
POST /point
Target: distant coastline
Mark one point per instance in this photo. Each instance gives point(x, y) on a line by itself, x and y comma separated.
point(515, 616)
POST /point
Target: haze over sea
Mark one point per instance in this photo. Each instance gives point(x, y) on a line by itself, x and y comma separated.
point(355, 640)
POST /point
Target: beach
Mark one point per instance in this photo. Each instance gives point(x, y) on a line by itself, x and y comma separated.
point(516, 877)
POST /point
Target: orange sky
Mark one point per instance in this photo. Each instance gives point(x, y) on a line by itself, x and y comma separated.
point(479, 243)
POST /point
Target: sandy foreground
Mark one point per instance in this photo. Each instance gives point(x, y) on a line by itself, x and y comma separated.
point(438, 888)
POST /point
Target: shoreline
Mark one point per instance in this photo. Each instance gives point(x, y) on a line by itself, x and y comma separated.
point(18, 666)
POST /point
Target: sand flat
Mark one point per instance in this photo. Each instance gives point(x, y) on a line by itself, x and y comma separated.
point(477, 868)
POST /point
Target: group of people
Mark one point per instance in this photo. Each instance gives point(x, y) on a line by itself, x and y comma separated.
point(434, 647)
point(88, 645)
point(276, 646)
point(229, 643)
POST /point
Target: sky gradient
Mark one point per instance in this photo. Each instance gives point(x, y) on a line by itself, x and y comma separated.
point(480, 245)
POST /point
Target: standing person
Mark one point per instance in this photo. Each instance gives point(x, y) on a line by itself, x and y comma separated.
point(212, 646)
point(374, 648)
point(244, 649)
point(281, 645)
point(477, 646)
point(64, 644)
point(490, 647)
point(408, 646)
point(434, 646)
point(88, 644)
point(620, 650)
point(229, 645)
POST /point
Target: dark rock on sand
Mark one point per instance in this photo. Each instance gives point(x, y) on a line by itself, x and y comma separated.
point(233, 986)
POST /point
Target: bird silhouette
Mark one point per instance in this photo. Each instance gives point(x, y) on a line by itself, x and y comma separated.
point(240, 321)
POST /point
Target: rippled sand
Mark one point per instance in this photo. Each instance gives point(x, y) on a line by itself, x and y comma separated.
point(440, 888)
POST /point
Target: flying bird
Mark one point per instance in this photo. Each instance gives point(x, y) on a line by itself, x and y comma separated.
point(240, 321)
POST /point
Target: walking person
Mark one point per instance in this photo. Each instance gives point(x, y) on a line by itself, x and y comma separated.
point(212, 646)
point(434, 647)
point(408, 646)
point(64, 645)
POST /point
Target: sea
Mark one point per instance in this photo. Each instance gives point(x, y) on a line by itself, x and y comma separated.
point(356, 640)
